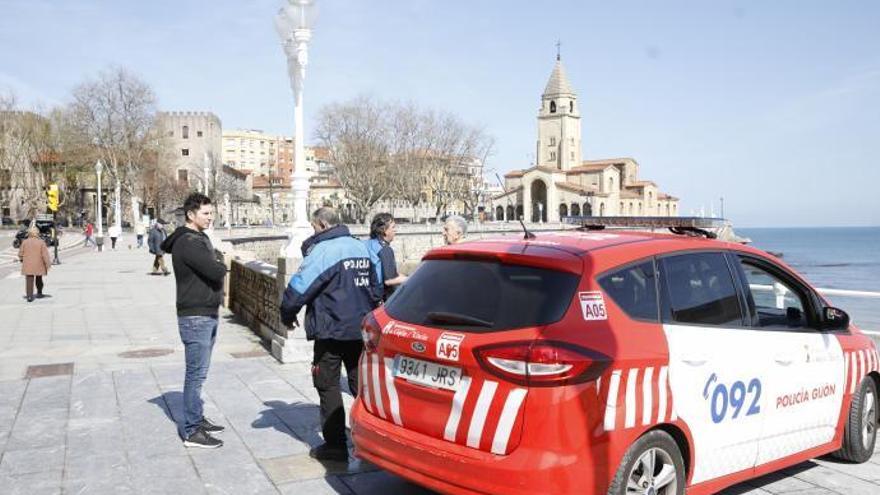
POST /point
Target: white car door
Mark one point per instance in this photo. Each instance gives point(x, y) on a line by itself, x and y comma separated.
point(716, 363)
point(806, 393)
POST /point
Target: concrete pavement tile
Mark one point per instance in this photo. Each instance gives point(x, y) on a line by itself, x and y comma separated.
point(115, 483)
point(98, 406)
point(220, 477)
point(29, 433)
point(381, 483)
point(275, 390)
point(17, 462)
point(95, 436)
point(47, 393)
point(166, 474)
point(300, 467)
point(94, 467)
point(833, 480)
point(7, 416)
point(272, 439)
point(11, 392)
point(331, 485)
point(868, 471)
point(46, 483)
point(147, 440)
point(779, 482)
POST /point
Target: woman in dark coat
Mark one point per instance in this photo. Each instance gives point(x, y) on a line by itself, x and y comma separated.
point(35, 262)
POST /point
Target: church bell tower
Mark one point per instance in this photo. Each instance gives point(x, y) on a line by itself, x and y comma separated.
point(559, 123)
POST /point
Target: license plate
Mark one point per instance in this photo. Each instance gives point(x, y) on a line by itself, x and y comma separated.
point(427, 373)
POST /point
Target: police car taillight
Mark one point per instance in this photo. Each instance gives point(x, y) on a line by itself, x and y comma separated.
point(542, 363)
point(370, 332)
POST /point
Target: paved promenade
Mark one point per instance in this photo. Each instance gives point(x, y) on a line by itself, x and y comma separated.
point(101, 417)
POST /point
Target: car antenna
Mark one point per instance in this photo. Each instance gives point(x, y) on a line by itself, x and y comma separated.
point(526, 234)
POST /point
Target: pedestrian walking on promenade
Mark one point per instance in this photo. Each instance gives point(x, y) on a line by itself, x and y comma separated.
point(35, 262)
point(139, 232)
point(89, 233)
point(454, 229)
point(336, 283)
point(383, 228)
point(199, 279)
point(115, 231)
point(154, 243)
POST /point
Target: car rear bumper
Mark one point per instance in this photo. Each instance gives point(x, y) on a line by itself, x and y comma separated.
point(457, 469)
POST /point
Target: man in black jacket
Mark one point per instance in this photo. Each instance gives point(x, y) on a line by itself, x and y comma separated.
point(199, 276)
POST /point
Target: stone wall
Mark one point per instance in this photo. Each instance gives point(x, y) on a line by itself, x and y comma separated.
point(254, 295)
point(411, 243)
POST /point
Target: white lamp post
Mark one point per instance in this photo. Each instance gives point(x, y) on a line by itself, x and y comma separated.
point(117, 207)
point(294, 25)
point(99, 240)
point(207, 165)
point(227, 223)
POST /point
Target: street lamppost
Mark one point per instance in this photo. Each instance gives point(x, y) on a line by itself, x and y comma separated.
point(99, 240)
point(227, 222)
point(207, 165)
point(117, 207)
point(294, 25)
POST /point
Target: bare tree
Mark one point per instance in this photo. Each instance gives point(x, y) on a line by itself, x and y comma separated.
point(412, 150)
point(402, 152)
point(26, 158)
point(356, 135)
point(455, 173)
point(115, 115)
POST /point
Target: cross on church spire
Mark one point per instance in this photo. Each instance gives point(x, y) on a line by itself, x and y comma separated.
point(558, 49)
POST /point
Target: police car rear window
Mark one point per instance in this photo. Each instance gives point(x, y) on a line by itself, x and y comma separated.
point(633, 289)
point(482, 296)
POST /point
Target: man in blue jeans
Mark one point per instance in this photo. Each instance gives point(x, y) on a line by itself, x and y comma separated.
point(199, 276)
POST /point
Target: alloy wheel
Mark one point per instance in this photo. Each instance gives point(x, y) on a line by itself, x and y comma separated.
point(869, 418)
point(652, 474)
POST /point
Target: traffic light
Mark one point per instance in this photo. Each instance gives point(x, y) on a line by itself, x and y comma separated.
point(52, 197)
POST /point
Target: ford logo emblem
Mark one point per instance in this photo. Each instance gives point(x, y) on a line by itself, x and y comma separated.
point(418, 346)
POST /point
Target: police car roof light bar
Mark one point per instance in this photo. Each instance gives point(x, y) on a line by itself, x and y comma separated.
point(692, 226)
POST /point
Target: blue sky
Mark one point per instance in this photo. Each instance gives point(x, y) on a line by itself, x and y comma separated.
point(773, 105)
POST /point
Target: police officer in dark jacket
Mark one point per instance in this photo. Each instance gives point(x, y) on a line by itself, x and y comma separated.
point(335, 283)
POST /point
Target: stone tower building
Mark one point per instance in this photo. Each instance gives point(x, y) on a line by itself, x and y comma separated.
point(561, 184)
point(194, 139)
point(559, 124)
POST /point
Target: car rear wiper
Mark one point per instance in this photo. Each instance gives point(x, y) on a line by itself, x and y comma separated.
point(457, 319)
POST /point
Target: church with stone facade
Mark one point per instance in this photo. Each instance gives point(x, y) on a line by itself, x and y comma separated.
point(561, 184)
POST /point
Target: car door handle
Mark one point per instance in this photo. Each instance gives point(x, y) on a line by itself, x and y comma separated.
point(784, 359)
point(694, 360)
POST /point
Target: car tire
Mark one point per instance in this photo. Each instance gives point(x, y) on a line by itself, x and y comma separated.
point(655, 451)
point(860, 433)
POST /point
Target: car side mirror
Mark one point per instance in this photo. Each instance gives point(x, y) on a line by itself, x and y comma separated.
point(834, 319)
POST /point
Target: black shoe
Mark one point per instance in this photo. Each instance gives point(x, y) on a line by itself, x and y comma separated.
point(327, 452)
point(39, 295)
point(202, 440)
point(30, 298)
point(166, 273)
point(208, 427)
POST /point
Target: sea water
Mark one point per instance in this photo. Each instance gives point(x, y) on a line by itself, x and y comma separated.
point(831, 258)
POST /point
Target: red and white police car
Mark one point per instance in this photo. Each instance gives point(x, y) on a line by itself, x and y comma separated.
point(609, 362)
